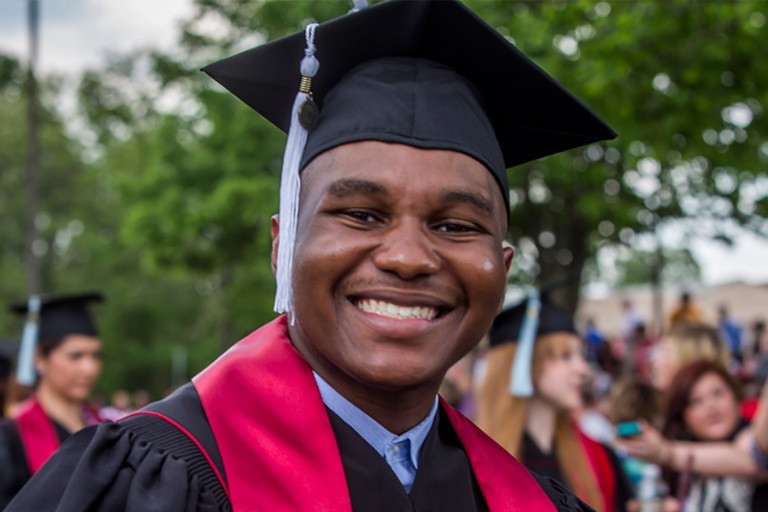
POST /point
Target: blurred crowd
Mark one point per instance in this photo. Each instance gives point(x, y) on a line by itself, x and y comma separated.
point(671, 422)
point(686, 412)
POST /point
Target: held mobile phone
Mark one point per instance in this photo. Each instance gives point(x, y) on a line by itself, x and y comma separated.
point(628, 429)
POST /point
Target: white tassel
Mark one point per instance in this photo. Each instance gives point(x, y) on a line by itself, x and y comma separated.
point(359, 5)
point(290, 184)
point(25, 368)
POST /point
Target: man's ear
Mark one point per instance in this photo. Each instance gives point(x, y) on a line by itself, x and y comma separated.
point(274, 224)
point(509, 253)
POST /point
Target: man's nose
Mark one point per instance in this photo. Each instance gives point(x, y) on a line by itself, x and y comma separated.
point(406, 250)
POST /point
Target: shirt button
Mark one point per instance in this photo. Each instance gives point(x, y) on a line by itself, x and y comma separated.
point(395, 449)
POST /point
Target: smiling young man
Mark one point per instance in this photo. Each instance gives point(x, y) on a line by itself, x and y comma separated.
point(390, 266)
point(400, 264)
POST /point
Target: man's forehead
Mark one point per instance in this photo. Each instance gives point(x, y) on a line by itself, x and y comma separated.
point(378, 168)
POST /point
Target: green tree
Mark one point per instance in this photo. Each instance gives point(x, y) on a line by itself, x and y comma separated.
point(81, 213)
point(679, 267)
point(679, 82)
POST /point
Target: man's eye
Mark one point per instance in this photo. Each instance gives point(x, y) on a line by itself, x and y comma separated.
point(452, 227)
point(361, 216)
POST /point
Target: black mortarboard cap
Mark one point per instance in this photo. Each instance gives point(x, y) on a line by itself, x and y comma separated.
point(507, 325)
point(462, 86)
point(64, 315)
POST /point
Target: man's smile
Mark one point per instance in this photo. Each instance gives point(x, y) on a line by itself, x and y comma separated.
point(390, 310)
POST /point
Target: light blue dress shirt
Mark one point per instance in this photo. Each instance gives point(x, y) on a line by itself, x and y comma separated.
point(401, 452)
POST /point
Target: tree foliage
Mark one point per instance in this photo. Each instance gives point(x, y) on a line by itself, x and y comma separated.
point(679, 82)
point(163, 199)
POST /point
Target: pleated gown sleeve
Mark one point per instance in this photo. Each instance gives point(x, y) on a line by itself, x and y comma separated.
point(109, 468)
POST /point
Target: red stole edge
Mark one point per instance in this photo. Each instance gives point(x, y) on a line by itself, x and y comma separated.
point(279, 450)
point(505, 483)
point(602, 469)
point(274, 435)
point(37, 433)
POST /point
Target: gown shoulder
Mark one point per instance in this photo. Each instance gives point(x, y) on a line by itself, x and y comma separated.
point(108, 467)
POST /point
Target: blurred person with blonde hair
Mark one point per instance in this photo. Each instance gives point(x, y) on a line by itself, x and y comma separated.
point(683, 344)
point(532, 386)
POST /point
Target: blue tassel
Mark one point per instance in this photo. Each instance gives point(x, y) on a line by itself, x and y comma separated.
point(520, 381)
point(25, 369)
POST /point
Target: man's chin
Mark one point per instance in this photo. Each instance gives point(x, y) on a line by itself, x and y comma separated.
point(396, 379)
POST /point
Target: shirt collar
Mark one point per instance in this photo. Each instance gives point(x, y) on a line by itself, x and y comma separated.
point(369, 429)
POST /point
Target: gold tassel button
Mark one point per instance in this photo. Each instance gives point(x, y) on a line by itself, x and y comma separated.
point(306, 84)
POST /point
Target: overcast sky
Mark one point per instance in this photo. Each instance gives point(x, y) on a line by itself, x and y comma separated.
point(78, 34)
point(75, 34)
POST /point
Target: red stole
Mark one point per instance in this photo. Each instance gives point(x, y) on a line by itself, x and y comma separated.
point(279, 450)
point(602, 468)
point(37, 433)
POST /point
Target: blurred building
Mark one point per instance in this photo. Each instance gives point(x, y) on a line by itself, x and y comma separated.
point(746, 304)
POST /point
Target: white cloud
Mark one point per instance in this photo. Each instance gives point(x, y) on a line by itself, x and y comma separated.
point(76, 34)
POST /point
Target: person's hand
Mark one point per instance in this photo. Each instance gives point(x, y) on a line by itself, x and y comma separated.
point(648, 445)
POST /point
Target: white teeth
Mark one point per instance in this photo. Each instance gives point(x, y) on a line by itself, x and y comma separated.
point(394, 311)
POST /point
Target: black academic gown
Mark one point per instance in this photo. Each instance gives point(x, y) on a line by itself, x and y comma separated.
point(128, 467)
point(547, 465)
point(14, 470)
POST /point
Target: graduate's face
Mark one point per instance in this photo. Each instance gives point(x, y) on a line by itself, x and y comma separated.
point(398, 266)
point(71, 369)
point(562, 372)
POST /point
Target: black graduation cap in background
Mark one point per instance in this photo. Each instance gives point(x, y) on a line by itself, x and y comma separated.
point(8, 351)
point(64, 315)
point(507, 325)
point(530, 113)
point(523, 324)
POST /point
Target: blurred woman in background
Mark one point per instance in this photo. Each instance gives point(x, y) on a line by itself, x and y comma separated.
point(67, 361)
point(532, 385)
point(702, 408)
point(684, 344)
